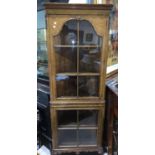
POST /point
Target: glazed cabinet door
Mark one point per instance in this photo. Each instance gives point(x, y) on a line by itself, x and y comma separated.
point(77, 54)
point(77, 128)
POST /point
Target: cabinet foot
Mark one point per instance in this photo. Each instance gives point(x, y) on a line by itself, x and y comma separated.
point(54, 153)
point(100, 151)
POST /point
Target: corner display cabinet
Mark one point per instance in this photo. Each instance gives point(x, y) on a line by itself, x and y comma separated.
point(77, 37)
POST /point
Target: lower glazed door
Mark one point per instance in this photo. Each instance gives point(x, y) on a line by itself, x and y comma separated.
point(77, 128)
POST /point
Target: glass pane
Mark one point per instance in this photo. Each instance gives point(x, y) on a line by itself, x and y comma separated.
point(89, 59)
point(68, 34)
point(66, 85)
point(88, 85)
point(87, 137)
point(67, 137)
point(88, 117)
point(87, 35)
point(66, 59)
point(67, 118)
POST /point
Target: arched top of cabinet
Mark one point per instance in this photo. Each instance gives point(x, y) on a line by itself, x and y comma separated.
point(98, 9)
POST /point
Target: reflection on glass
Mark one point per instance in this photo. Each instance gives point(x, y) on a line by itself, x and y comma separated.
point(42, 69)
point(67, 137)
point(89, 59)
point(87, 137)
point(88, 85)
point(77, 50)
point(68, 35)
point(88, 117)
point(66, 59)
point(67, 118)
point(66, 85)
point(75, 127)
point(88, 35)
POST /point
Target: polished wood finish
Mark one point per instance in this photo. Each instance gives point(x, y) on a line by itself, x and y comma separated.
point(64, 6)
point(100, 24)
point(57, 16)
point(78, 9)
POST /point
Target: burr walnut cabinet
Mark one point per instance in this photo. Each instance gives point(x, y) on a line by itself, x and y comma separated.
point(77, 37)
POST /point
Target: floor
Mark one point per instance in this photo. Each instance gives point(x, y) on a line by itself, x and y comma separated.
point(45, 151)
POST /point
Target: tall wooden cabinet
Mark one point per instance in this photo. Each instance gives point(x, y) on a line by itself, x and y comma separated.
point(77, 37)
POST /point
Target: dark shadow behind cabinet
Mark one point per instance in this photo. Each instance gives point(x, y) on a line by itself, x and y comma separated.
point(44, 121)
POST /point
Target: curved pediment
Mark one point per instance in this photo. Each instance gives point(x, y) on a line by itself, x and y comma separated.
point(77, 32)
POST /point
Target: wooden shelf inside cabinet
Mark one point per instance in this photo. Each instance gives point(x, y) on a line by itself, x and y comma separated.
point(77, 39)
point(78, 74)
point(75, 128)
point(79, 46)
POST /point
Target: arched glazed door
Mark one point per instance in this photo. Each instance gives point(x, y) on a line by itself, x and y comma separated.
point(77, 49)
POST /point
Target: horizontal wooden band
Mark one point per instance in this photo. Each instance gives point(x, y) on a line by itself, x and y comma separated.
point(78, 6)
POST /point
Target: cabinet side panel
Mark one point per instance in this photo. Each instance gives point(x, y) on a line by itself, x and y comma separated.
point(104, 57)
point(54, 128)
point(100, 125)
point(51, 60)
